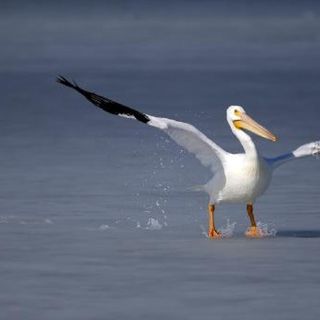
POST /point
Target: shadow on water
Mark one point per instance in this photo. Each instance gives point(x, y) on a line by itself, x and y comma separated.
point(299, 233)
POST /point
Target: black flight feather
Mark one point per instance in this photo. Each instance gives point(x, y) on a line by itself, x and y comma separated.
point(104, 103)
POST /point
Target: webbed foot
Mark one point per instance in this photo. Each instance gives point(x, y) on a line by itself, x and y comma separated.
point(214, 234)
point(254, 232)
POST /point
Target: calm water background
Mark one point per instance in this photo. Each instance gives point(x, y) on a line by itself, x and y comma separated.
point(95, 218)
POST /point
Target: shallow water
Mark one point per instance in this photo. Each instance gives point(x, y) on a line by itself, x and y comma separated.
point(96, 220)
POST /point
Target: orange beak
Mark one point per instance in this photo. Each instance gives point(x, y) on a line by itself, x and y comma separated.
point(247, 123)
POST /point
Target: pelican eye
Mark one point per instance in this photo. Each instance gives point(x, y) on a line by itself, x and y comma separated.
point(237, 112)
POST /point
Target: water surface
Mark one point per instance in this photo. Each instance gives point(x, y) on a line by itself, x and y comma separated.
point(96, 220)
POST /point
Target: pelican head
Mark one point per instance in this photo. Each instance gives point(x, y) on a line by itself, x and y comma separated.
point(239, 120)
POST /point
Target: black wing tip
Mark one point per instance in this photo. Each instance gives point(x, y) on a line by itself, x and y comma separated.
point(62, 80)
point(104, 103)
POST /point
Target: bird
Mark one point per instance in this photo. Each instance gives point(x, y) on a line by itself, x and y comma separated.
point(237, 178)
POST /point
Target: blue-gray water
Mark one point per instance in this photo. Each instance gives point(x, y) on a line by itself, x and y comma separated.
point(95, 218)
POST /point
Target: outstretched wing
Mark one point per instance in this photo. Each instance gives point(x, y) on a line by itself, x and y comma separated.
point(308, 149)
point(193, 140)
point(184, 134)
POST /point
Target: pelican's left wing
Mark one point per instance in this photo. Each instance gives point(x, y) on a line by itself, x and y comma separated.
point(186, 135)
point(308, 149)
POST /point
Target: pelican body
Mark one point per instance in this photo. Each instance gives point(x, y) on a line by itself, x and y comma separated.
point(237, 178)
point(243, 179)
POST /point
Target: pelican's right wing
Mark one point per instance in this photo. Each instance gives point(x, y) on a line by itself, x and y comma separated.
point(186, 135)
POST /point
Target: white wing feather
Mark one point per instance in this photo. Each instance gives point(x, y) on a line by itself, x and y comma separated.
point(308, 149)
point(193, 140)
point(186, 135)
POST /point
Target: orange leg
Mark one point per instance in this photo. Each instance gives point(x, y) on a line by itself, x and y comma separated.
point(213, 233)
point(253, 231)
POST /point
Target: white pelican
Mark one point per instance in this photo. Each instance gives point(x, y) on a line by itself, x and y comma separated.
point(238, 177)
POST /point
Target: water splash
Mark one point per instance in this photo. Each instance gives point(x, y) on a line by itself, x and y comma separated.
point(4, 219)
point(203, 231)
point(104, 227)
point(165, 223)
point(228, 230)
point(267, 230)
point(153, 224)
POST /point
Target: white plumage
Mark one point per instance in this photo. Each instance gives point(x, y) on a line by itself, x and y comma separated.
point(236, 177)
